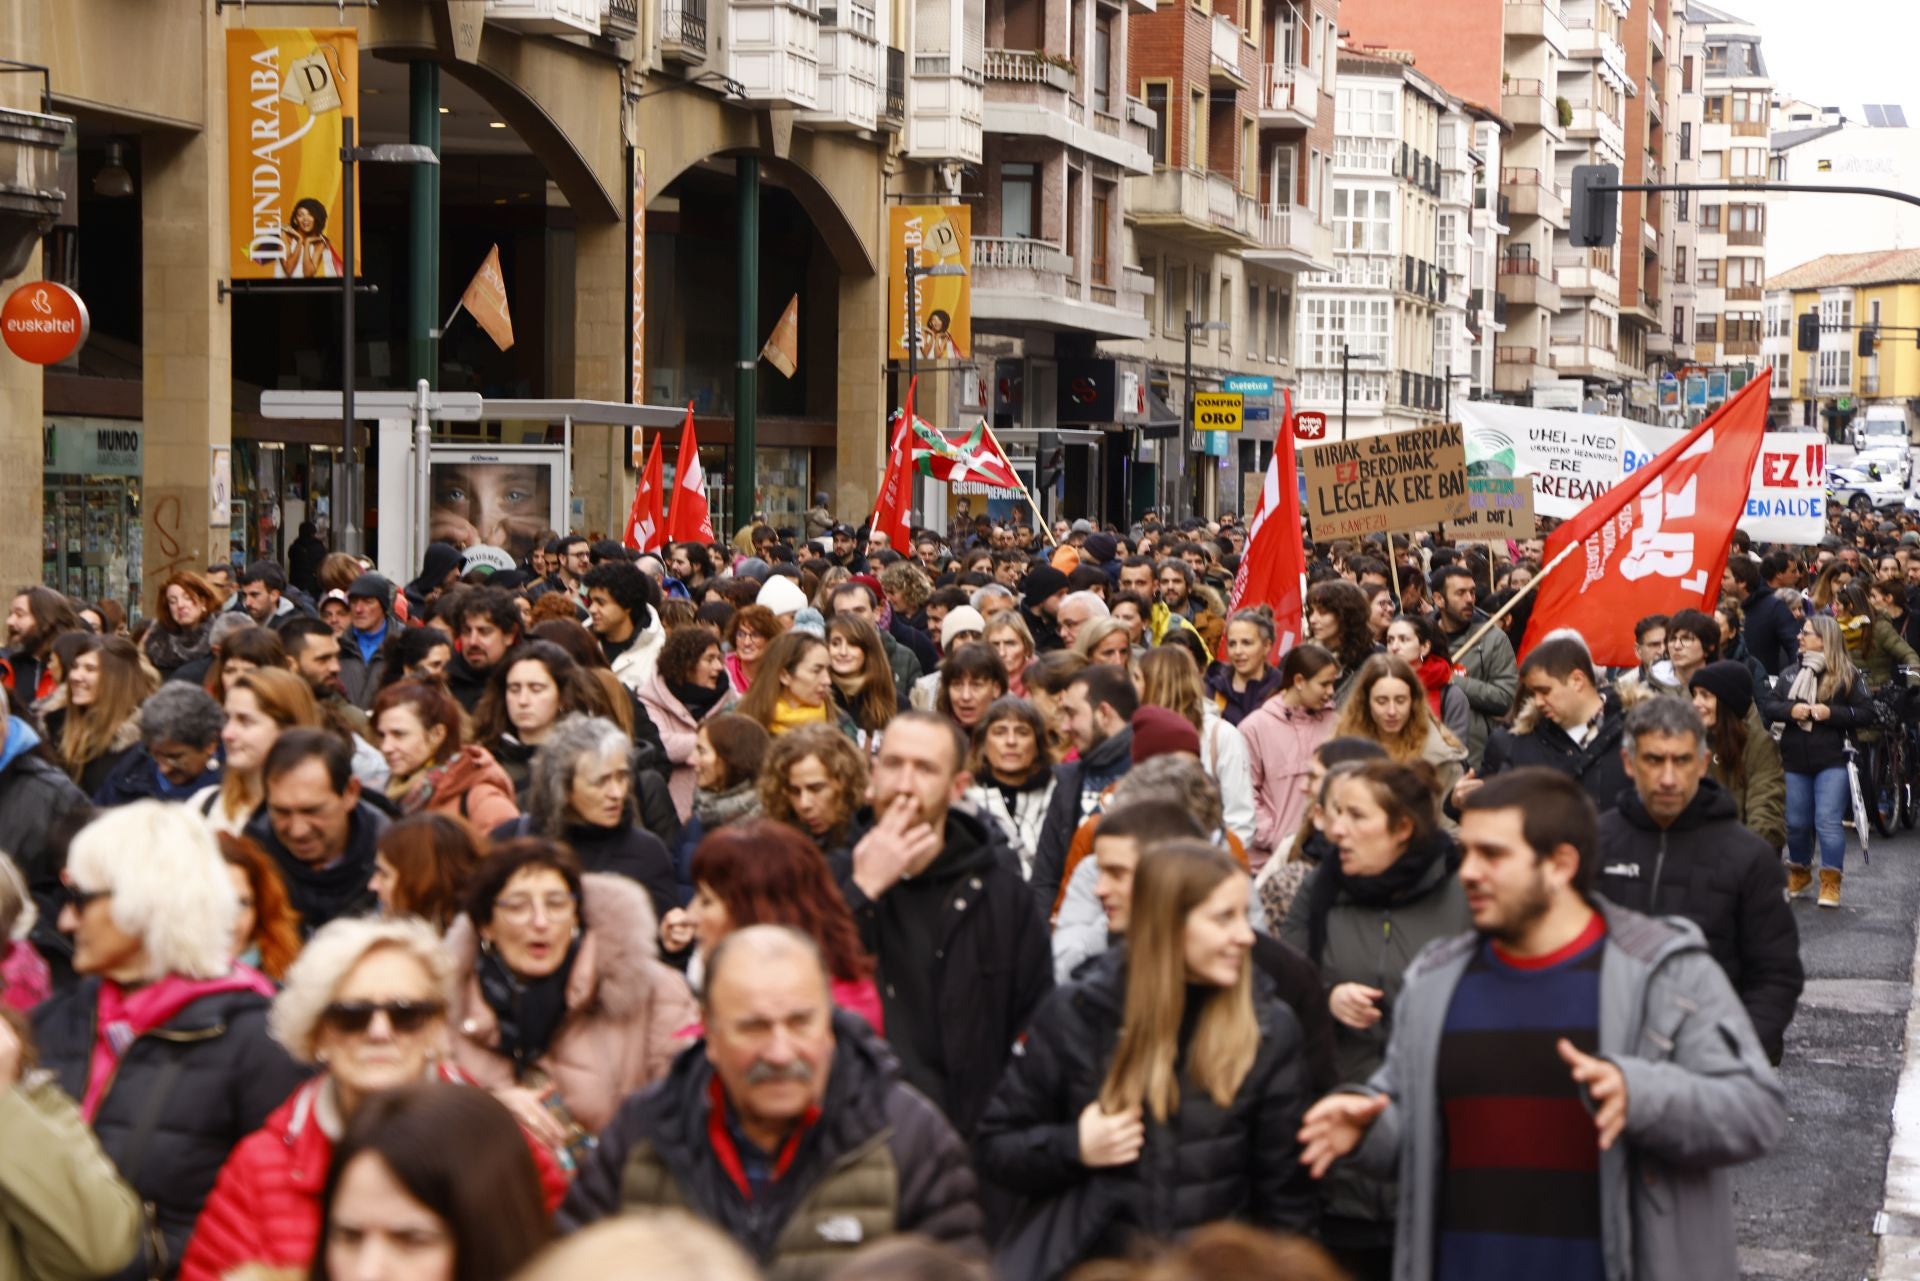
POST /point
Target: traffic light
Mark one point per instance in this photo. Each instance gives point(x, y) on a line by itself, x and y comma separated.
point(1808, 338)
point(1869, 339)
point(1595, 214)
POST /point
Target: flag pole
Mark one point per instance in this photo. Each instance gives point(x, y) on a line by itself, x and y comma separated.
point(453, 315)
point(1518, 596)
point(1039, 516)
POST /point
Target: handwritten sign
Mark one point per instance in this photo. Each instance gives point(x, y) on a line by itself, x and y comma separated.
point(1403, 480)
point(1573, 458)
point(1502, 507)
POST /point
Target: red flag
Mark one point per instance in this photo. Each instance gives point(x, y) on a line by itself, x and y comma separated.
point(1273, 561)
point(890, 512)
point(646, 529)
point(688, 520)
point(1657, 542)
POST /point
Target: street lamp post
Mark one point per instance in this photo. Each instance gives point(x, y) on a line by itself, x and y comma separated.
point(350, 155)
point(915, 272)
point(1186, 417)
point(1347, 356)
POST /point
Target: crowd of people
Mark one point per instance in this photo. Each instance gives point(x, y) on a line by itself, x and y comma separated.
point(1004, 904)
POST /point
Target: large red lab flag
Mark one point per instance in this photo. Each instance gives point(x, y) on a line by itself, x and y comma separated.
point(688, 520)
point(891, 510)
point(646, 530)
point(1657, 542)
point(1273, 562)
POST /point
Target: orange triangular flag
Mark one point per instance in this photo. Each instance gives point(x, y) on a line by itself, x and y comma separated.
point(486, 300)
point(783, 348)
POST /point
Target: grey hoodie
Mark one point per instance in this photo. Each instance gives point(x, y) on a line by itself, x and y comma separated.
point(1700, 1097)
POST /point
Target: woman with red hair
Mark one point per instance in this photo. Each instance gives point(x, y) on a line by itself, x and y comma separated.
point(765, 873)
point(267, 933)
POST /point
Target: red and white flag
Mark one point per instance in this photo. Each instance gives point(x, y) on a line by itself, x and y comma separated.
point(646, 530)
point(688, 520)
point(1657, 542)
point(1273, 563)
point(892, 512)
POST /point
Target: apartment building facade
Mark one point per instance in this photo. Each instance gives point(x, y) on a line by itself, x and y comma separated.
point(1377, 332)
point(1826, 389)
point(1234, 210)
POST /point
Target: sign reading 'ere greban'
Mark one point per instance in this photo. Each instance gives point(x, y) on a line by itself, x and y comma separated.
point(1403, 480)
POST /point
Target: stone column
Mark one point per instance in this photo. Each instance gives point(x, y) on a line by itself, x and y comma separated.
point(601, 346)
point(861, 438)
point(21, 403)
point(186, 340)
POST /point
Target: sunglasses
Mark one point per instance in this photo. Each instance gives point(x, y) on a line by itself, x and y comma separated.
point(80, 900)
point(354, 1017)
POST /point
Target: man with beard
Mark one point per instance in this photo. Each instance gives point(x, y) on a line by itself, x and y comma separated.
point(1567, 1069)
point(1487, 672)
point(37, 616)
point(962, 956)
point(490, 625)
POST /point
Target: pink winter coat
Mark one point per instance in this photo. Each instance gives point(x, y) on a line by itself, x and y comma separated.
point(626, 1012)
point(1280, 745)
point(678, 731)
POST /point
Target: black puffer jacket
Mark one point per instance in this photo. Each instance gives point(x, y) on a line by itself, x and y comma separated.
point(196, 1086)
point(1709, 868)
point(880, 1155)
point(1596, 765)
point(1201, 1164)
point(38, 801)
point(1824, 746)
point(963, 959)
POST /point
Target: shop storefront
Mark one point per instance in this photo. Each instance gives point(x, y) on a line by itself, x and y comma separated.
point(91, 535)
point(277, 485)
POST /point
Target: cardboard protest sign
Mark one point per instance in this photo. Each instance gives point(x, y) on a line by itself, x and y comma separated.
point(1378, 484)
point(1502, 507)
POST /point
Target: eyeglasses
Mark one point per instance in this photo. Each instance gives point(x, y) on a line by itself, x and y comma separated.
point(80, 900)
point(519, 907)
point(352, 1018)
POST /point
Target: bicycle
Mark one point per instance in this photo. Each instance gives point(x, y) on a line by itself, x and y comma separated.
point(1890, 754)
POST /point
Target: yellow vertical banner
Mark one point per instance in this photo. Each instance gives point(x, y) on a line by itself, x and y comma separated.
point(942, 314)
point(288, 89)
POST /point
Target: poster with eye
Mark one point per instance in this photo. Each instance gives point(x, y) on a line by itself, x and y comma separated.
point(497, 496)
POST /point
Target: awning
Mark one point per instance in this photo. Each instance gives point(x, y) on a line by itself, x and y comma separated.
point(1163, 421)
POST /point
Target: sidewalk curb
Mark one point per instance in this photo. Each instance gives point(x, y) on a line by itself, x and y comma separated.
point(1897, 1256)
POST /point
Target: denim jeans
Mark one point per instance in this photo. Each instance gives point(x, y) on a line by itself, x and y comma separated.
point(1816, 804)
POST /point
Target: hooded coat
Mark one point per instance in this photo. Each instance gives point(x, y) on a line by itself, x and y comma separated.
point(627, 1014)
point(878, 1161)
point(472, 786)
point(1710, 868)
point(36, 799)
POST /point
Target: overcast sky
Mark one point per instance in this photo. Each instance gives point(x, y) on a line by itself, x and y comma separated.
point(1840, 52)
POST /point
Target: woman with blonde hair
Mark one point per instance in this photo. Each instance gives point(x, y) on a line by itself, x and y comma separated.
point(1820, 702)
point(106, 684)
point(1007, 632)
point(259, 706)
point(1168, 677)
point(1189, 1118)
point(1105, 640)
point(1389, 705)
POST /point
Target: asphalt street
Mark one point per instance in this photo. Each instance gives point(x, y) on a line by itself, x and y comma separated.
point(1808, 1210)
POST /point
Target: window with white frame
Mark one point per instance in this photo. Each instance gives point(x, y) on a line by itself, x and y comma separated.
point(1362, 220)
point(1836, 369)
point(1362, 324)
point(1364, 112)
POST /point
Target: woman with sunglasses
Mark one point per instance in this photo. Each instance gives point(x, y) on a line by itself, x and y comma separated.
point(163, 1024)
point(560, 1006)
point(367, 1004)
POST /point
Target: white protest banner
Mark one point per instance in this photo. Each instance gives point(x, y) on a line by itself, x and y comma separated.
point(1573, 458)
point(1788, 500)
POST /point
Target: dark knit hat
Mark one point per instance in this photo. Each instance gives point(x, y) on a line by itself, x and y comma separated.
point(1041, 583)
point(1731, 685)
point(1158, 732)
point(1101, 547)
point(440, 560)
point(373, 586)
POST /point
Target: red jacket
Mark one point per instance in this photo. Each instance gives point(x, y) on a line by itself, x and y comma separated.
point(265, 1209)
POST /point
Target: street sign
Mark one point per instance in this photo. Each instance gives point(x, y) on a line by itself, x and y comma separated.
point(1259, 413)
point(1248, 385)
point(1309, 424)
point(1217, 411)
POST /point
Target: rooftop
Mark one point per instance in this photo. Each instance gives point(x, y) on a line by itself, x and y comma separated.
point(1837, 271)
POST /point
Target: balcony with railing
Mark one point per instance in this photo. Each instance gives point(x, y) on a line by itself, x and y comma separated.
point(1533, 196)
point(1588, 273)
point(1410, 389)
point(1202, 205)
point(1529, 103)
point(1289, 96)
point(1515, 369)
point(773, 51)
point(1744, 293)
point(1592, 121)
point(893, 110)
point(1224, 53)
point(1037, 93)
point(1656, 35)
point(1031, 67)
point(1035, 282)
point(1535, 20)
point(622, 18)
point(1527, 284)
point(548, 17)
point(1288, 236)
point(683, 31)
point(1586, 41)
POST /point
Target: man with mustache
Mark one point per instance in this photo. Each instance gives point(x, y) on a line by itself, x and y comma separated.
point(788, 1127)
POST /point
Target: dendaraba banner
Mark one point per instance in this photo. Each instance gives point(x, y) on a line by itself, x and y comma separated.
point(288, 89)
